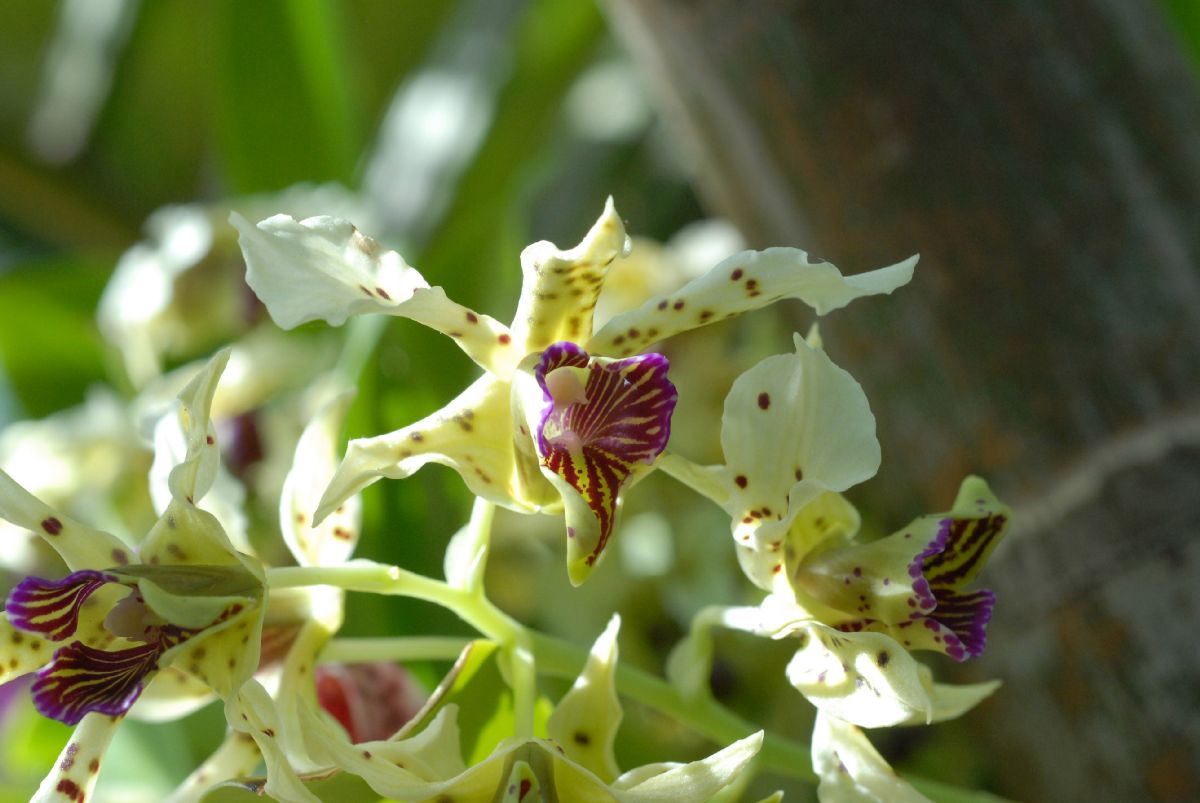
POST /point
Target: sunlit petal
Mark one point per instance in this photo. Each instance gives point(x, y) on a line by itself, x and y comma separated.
point(745, 281)
point(560, 288)
point(851, 770)
point(864, 678)
point(324, 268)
point(333, 540)
point(794, 426)
point(585, 721)
point(80, 547)
point(472, 434)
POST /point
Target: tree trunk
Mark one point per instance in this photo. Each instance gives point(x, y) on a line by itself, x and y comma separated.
point(1045, 161)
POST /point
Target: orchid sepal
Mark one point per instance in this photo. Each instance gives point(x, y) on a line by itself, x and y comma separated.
point(795, 426)
point(323, 268)
point(743, 282)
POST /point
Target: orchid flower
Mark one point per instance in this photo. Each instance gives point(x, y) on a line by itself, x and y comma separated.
point(575, 762)
point(185, 597)
point(320, 609)
point(797, 431)
point(565, 416)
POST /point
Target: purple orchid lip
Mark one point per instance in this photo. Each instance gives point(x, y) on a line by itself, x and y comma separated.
point(950, 559)
point(82, 679)
point(50, 608)
point(600, 420)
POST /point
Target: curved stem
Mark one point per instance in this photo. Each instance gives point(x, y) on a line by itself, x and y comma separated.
point(403, 648)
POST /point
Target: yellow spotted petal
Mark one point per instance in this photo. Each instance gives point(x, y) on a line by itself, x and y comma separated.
point(74, 775)
point(333, 540)
point(324, 268)
point(560, 288)
point(743, 282)
point(21, 652)
point(191, 478)
point(252, 712)
point(79, 546)
point(585, 721)
point(473, 434)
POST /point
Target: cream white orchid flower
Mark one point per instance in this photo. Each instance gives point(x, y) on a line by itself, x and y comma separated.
point(797, 431)
point(565, 416)
point(185, 597)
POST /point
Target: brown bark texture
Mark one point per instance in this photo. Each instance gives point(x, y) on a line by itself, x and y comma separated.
point(1044, 159)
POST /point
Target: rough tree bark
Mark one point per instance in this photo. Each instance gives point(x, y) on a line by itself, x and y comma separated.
point(1045, 161)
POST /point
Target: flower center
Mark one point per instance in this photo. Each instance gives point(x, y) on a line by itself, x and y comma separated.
point(567, 385)
point(131, 619)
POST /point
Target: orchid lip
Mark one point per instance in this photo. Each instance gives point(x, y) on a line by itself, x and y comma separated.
point(601, 419)
point(51, 608)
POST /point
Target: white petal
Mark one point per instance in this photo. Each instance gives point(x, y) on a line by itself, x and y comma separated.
point(332, 541)
point(864, 678)
point(794, 426)
point(696, 782)
point(192, 477)
point(950, 700)
point(744, 282)
point(252, 712)
point(585, 721)
point(851, 770)
point(323, 268)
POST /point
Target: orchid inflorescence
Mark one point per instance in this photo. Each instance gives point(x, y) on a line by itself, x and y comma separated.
point(568, 415)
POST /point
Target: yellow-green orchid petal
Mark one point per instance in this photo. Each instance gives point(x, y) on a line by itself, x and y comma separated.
point(236, 757)
point(191, 478)
point(473, 434)
point(79, 546)
point(251, 711)
point(586, 719)
point(74, 775)
point(20, 652)
point(696, 781)
point(324, 268)
point(333, 540)
point(743, 282)
point(560, 288)
point(950, 700)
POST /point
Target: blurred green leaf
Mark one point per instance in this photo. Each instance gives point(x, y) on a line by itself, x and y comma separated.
point(1185, 14)
point(554, 42)
point(287, 109)
point(49, 344)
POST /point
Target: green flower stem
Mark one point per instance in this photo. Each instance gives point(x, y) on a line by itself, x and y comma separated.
point(469, 604)
point(405, 648)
